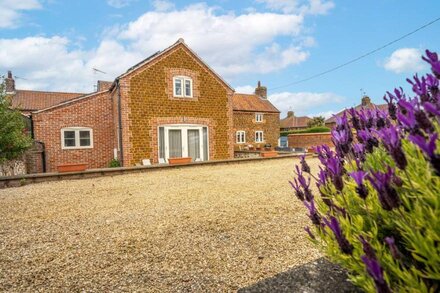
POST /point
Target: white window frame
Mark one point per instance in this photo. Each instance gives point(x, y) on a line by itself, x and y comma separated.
point(240, 136)
point(259, 136)
point(183, 80)
point(77, 138)
point(184, 128)
point(259, 117)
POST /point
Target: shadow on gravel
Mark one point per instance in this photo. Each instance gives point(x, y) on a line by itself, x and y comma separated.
point(317, 276)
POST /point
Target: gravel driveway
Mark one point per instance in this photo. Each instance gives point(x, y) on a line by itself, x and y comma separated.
point(206, 228)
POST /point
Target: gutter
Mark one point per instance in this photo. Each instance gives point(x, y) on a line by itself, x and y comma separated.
point(121, 147)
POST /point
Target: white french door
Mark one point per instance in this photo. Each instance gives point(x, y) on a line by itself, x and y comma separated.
point(177, 141)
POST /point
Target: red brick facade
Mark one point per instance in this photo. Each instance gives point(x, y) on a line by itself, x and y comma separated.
point(307, 140)
point(95, 112)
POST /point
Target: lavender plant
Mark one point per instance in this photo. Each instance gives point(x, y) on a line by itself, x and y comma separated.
point(377, 211)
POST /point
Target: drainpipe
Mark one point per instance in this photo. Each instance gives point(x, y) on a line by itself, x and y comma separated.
point(121, 147)
point(43, 156)
point(32, 126)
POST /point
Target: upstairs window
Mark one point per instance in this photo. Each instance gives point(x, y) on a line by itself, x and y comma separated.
point(183, 87)
point(240, 137)
point(76, 138)
point(259, 117)
point(259, 137)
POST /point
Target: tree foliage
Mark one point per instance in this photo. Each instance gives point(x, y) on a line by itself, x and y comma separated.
point(14, 140)
point(316, 122)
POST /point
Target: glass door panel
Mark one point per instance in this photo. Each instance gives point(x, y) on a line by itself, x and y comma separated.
point(175, 143)
point(194, 144)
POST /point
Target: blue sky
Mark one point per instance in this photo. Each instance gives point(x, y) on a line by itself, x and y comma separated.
point(54, 44)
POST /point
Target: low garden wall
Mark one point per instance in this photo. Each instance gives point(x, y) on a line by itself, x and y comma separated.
point(13, 168)
point(307, 140)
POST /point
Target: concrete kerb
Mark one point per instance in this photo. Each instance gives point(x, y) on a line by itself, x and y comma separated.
point(17, 181)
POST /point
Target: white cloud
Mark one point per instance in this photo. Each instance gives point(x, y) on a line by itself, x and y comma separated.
point(303, 103)
point(163, 5)
point(313, 7)
point(119, 3)
point(230, 43)
point(10, 11)
point(405, 60)
point(245, 89)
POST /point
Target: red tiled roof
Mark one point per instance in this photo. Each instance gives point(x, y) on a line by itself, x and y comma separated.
point(36, 100)
point(358, 108)
point(293, 121)
point(252, 103)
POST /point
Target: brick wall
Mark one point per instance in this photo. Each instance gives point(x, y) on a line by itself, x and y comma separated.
point(245, 121)
point(147, 101)
point(306, 140)
point(95, 112)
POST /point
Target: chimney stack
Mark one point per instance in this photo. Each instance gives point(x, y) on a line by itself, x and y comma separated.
point(10, 84)
point(365, 101)
point(261, 91)
point(290, 114)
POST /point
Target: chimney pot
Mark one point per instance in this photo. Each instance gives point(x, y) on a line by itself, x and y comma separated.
point(366, 101)
point(261, 91)
point(289, 113)
point(10, 84)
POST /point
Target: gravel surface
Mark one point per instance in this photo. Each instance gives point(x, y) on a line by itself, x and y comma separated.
point(207, 228)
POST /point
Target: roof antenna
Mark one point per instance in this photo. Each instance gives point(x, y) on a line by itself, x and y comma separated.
point(18, 77)
point(98, 71)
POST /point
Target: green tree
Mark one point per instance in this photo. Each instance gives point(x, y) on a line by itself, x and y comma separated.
point(14, 140)
point(316, 122)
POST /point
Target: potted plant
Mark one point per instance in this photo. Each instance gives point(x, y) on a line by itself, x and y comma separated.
point(178, 161)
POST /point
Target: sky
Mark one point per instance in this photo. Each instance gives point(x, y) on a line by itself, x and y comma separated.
point(55, 44)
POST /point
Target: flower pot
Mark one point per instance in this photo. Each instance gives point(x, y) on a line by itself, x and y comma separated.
point(177, 161)
point(269, 154)
point(72, 167)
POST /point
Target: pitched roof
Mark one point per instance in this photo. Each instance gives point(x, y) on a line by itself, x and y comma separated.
point(294, 121)
point(36, 100)
point(252, 103)
point(180, 42)
point(357, 108)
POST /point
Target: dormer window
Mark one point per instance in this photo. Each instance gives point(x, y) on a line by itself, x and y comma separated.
point(183, 87)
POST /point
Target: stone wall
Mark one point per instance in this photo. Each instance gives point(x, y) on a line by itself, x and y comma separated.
point(307, 140)
point(245, 121)
point(148, 101)
point(13, 168)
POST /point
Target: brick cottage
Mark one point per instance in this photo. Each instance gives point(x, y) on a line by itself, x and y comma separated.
point(170, 105)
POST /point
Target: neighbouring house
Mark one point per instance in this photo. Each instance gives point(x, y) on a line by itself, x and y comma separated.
point(170, 105)
point(365, 104)
point(256, 120)
point(292, 122)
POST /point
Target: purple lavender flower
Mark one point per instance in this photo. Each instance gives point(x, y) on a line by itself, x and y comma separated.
point(355, 118)
point(367, 138)
point(433, 86)
point(307, 229)
point(304, 166)
point(431, 109)
point(344, 245)
point(388, 197)
point(336, 170)
point(393, 248)
point(359, 151)
point(382, 119)
point(304, 184)
point(313, 212)
point(340, 139)
point(376, 272)
point(298, 191)
point(393, 144)
point(358, 177)
point(428, 147)
point(419, 87)
point(432, 58)
point(368, 250)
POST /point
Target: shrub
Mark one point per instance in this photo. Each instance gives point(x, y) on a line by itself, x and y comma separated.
point(14, 140)
point(114, 163)
point(317, 121)
point(308, 130)
point(378, 209)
